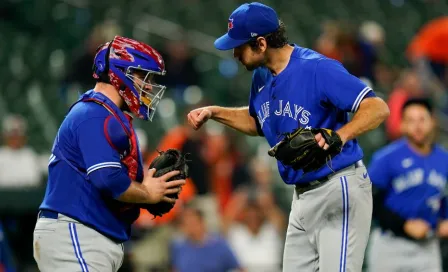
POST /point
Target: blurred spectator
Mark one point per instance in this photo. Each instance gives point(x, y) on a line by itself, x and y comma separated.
point(199, 250)
point(262, 169)
point(181, 69)
point(431, 44)
point(19, 164)
point(326, 43)
point(357, 55)
point(428, 53)
point(408, 86)
point(385, 76)
point(257, 238)
point(373, 33)
point(227, 167)
point(371, 38)
point(357, 52)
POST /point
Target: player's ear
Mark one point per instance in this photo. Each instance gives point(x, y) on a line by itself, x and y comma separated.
point(262, 44)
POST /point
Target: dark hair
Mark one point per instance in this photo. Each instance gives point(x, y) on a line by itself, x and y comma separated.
point(424, 102)
point(276, 39)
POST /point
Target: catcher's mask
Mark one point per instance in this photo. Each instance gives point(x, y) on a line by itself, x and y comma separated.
point(131, 66)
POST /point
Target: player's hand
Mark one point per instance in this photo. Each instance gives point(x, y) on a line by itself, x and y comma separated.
point(197, 117)
point(442, 230)
point(417, 228)
point(321, 141)
point(158, 188)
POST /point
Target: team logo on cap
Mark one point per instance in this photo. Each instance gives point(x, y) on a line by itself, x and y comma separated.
point(230, 24)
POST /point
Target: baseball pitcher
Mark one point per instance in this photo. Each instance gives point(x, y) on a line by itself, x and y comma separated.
point(409, 179)
point(96, 184)
point(299, 101)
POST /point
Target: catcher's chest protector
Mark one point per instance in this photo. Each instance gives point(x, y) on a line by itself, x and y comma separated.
point(122, 139)
point(121, 136)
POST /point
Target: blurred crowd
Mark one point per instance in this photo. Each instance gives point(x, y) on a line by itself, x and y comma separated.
point(361, 51)
point(231, 203)
point(233, 211)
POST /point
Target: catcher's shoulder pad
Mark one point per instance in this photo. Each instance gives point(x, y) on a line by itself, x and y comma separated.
point(116, 135)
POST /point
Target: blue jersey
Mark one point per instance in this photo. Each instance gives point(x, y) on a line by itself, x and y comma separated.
point(414, 184)
point(86, 172)
point(311, 92)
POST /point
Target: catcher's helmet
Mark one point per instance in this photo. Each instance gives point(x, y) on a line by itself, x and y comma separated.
point(117, 63)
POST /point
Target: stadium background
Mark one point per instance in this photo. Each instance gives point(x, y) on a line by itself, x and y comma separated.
point(46, 52)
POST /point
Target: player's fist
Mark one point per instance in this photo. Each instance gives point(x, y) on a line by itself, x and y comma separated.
point(417, 228)
point(158, 187)
point(197, 117)
point(442, 230)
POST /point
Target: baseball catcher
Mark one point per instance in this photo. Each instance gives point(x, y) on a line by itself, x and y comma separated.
point(97, 181)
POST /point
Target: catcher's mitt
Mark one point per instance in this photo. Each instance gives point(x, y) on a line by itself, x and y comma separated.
point(167, 161)
point(300, 150)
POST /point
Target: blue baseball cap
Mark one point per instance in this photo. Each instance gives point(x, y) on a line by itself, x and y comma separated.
point(246, 22)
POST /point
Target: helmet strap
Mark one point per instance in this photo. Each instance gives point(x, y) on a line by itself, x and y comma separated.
point(104, 76)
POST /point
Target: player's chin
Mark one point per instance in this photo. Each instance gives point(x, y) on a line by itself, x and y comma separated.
point(249, 67)
point(420, 141)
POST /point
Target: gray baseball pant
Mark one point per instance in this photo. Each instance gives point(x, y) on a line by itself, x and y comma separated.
point(66, 245)
point(391, 253)
point(329, 224)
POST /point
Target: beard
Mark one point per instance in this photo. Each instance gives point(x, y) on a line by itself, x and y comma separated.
point(252, 66)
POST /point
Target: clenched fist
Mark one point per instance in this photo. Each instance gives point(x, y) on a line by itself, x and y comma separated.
point(197, 117)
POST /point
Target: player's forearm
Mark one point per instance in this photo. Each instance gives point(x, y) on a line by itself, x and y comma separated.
point(115, 183)
point(236, 118)
point(371, 113)
point(136, 193)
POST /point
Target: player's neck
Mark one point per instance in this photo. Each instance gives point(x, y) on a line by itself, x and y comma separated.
point(278, 59)
point(110, 92)
point(424, 149)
